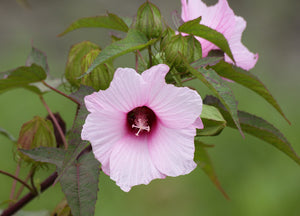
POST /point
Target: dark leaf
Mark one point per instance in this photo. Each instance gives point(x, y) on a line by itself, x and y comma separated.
point(257, 127)
point(47, 155)
point(219, 87)
point(21, 77)
point(204, 162)
point(194, 27)
point(110, 21)
point(203, 62)
point(80, 185)
point(248, 80)
point(76, 145)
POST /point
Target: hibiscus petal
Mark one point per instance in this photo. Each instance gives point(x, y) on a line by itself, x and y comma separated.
point(243, 57)
point(219, 17)
point(92, 103)
point(172, 150)
point(104, 129)
point(192, 9)
point(131, 164)
point(176, 107)
point(125, 91)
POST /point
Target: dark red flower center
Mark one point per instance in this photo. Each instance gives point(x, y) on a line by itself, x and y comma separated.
point(141, 120)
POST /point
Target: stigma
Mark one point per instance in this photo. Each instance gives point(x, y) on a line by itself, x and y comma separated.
point(141, 124)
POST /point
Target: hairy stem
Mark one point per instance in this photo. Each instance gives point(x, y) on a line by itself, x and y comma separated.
point(28, 197)
point(55, 122)
point(59, 92)
point(14, 184)
point(22, 186)
point(17, 179)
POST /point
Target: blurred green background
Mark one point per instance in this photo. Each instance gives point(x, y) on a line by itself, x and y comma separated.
point(259, 179)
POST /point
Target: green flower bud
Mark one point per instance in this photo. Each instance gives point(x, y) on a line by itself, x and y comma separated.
point(149, 20)
point(101, 76)
point(35, 133)
point(73, 67)
point(166, 37)
point(187, 46)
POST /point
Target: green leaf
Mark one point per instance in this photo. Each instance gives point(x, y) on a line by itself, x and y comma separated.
point(257, 127)
point(37, 57)
point(7, 135)
point(47, 155)
point(213, 121)
point(134, 40)
point(194, 27)
point(110, 21)
point(128, 21)
point(80, 185)
point(21, 77)
point(76, 145)
point(248, 80)
point(203, 62)
point(204, 162)
point(219, 87)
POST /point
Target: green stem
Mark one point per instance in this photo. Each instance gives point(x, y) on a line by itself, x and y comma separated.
point(188, 79)
point(61, 133)
point(136, 62)
point(150, 55)
point(141, 57)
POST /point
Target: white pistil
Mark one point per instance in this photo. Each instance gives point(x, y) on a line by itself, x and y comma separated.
point(141, 125)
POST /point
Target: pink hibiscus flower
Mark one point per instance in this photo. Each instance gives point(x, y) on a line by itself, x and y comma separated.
point(221, 18)
point(141, 128)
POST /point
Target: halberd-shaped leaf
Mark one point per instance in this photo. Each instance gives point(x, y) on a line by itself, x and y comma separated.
point(213, 121)
point(257, 127)
point(21, 77)
point(47, 155)
point(248, 80)
point(80, 185)
point(76, 145)
point(219, 87)
point(134, 40)
point(110, 21)
point(203, 161)
point(194, 27)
